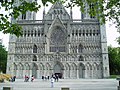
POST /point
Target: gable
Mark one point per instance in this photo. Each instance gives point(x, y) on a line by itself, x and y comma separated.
point(57, 22)
point(57, 9)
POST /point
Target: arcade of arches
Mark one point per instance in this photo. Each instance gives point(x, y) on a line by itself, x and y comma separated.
point(66, 70)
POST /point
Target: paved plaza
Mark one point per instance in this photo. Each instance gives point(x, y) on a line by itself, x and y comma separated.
point(73, 84)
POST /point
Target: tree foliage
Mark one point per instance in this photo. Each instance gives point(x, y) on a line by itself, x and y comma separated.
point(3, 59)
point(114, 60)
point(111, 9)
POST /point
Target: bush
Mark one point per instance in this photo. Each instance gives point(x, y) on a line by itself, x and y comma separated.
point(114, 76)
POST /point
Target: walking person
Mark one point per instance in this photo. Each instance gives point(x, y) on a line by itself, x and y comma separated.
point(52, 82)
point(32, 78)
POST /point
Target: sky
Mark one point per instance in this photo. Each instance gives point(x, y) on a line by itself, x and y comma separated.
point(111, 31)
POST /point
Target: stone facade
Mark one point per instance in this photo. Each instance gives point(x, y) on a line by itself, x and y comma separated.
point(58, 44)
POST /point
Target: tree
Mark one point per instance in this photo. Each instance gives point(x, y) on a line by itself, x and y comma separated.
point(111, 9)
point(3, 59)
point(114, 60)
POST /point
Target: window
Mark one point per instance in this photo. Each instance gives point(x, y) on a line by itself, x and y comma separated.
point(32, 33)
point(80, 48)
point(23, 16)
point(34, 49)
point(34, 58)
point(80, 58)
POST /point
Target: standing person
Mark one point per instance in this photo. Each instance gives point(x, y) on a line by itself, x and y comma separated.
point(48, 77)
point(32, 78)
point(57, 77)
point(14, 77)
point(42, 77)
point(52, 82)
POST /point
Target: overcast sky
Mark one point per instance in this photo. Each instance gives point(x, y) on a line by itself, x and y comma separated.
point(111, 31)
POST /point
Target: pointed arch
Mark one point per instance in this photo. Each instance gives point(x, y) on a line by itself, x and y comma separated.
point(95, 70)
point(89, 70)
point(26, 66)
point(20, 70)
point(41, 66)
point(81, 68)
point(35, 48)
point(15, 68)
point(41, 70)
point(67, 70)
point(100, 74)
point(27, 69)
point(58, 68)
point(73, 70)
point(20, 66)
point(48, 69)
point(67, 66)
point(73, 66)
point(34, 69)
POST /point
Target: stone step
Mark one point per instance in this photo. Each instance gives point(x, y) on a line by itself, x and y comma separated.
point(73, 84)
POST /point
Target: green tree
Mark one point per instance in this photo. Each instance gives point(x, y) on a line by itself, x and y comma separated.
point(114, 60)
point(3, 59)
point(111, 9)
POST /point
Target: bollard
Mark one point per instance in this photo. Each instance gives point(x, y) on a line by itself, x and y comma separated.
point(65, 88)
point(7, 88)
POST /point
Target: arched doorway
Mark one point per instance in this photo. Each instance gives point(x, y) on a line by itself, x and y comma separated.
point(58, 69)
point(34, 70)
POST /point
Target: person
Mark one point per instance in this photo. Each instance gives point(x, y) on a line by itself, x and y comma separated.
point(48, 77)
point(52, 82)
point(14, 77)
point(26, 79)
point(32, 78)
point(57, 77)
point(42, 77)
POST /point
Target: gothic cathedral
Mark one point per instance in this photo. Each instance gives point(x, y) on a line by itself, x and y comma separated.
point(59, 44)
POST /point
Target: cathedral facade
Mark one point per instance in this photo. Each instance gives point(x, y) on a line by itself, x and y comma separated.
point(58, 44)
